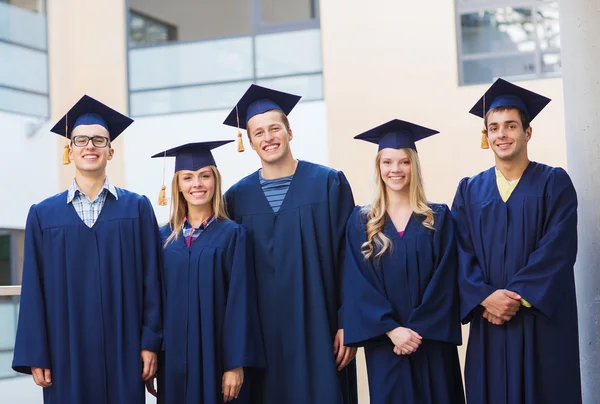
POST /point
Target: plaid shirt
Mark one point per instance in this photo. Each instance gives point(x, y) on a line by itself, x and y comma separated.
point(190, 234)
point(89, 210)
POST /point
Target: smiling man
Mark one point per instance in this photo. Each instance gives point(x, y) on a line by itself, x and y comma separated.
point(90, 317)
point(295, 213)
point(517, 238)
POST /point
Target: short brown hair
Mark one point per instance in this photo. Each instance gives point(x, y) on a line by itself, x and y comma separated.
point(524, 118)
point(283, 117)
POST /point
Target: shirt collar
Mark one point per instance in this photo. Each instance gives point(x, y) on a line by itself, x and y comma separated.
point(74, 190)
point(204, 224)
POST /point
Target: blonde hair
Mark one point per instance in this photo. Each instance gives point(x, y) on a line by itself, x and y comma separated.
point(179, 206)
point(376, 212)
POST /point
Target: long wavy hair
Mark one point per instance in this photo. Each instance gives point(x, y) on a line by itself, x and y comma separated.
point(179, 206)
point(378, 243)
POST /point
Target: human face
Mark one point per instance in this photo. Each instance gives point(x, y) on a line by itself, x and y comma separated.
point(269, 136)
point(395, 169)
point(197, 187)
point(506, 136)
point(89, 158)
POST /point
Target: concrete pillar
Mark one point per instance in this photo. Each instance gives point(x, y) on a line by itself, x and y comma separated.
point(87, 54)
point(580, 42)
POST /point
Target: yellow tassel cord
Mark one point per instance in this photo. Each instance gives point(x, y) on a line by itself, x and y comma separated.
point(65, 157)
point(162, 195)
point(240, 141)
point(484, 140)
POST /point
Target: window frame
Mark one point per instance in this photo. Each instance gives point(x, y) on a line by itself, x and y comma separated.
point(489, 5)
point(257, 28)
point(44, 9)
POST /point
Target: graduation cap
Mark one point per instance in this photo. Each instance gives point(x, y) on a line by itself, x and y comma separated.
point(505, 94)
point(258, 100)
point(190, 156)
point(89, 111)
point(396, 134)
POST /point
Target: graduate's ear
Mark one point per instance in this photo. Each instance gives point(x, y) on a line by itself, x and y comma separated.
point(111, 153)
point(291, 134)
point(528, 133)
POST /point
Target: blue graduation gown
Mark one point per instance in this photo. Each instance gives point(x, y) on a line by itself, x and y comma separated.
point(91, 299)
point(298, 257)
point(413, 285)
point(211, 318)
point(527, 245)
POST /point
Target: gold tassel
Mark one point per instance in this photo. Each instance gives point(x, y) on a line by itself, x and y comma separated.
point(240, 142)
point(162, 196)
point(65, 158)
point(484, 140)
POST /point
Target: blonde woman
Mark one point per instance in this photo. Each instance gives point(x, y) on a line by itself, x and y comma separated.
point(400, 293)
point(211, 329)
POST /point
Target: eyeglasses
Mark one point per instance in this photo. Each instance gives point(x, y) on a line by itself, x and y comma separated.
point(97, 141)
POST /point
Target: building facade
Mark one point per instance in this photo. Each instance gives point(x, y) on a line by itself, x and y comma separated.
point(178, 67)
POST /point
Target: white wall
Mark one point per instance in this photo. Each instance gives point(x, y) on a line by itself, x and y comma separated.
point(28, 167)
point(148, 136)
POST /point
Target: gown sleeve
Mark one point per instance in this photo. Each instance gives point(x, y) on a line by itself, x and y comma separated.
point(472, 283)
point(242, 337)
point(550, 266)
point(151, 247)
point(437, 316)
point(31, 345)
point(368, 314)
point(341, 203)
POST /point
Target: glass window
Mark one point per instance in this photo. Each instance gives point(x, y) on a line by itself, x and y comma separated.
point(24, 26)
point(502, 30)
point(286, 53)
point(155, 22)
point(192, 63)
point(487, 70)
point(187, 99)
point(147, 30)
point(499, 39)
point(282, 11)
point(23, 52)
point(192, 56)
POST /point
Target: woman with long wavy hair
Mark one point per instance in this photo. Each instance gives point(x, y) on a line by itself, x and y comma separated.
point(211, 328)
point(400, 292)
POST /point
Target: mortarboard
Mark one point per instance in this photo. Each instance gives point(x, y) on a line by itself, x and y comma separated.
point(505, 94)
point(396, 134)
point(258, 100)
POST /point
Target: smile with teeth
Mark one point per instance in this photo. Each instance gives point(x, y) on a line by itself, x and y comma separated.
point(271, 147)
point(198, 194)
point(90, 157)
point(396, 178)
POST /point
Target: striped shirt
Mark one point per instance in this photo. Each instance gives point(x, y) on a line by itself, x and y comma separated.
point(87, 209)
point(190, 234)
point(275, 190)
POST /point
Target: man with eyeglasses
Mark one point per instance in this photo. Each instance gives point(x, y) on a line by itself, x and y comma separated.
point(89, 324)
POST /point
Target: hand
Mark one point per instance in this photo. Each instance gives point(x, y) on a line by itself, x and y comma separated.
point(149, 361)
point(491, 318)
point(150, 386)
point(405, 340)
point(42, 377)
point(503, 304)
point(232, 383)
point(343, 354)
